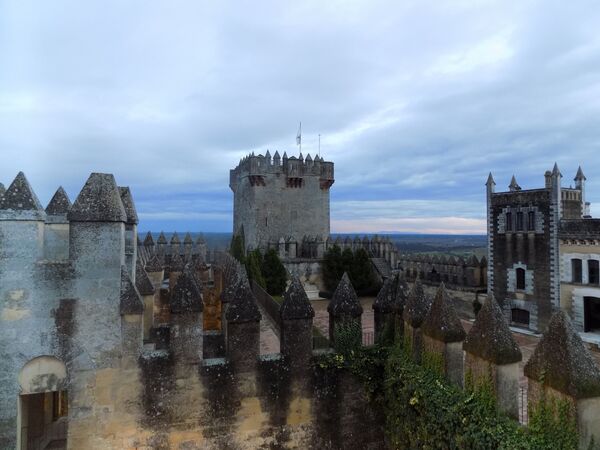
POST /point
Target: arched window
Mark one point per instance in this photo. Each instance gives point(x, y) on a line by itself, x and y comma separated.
point(576, 270)
point(520, 275)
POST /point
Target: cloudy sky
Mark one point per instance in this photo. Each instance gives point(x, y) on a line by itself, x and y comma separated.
point(415, 101)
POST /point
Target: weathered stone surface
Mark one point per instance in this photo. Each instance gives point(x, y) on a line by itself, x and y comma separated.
point(59, 204)
point(127, 200)
point(174, 239)
point(442, 322)
point(20, 201)
point(490, 338)
point(417, 305)
point(161, 238)
point(142, 281)
point(385, 300)
point(154, 265)
point(130, 301)
point(186, 296)
point(243, 307)
point(563, 362)
point(148, 240)
point(295, 302)
point(98, 201)
point(177, 264)
point(402, 291)
point(345, 301)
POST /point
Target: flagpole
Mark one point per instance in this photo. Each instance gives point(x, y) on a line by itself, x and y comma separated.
point(300, 137)
point(319, 144)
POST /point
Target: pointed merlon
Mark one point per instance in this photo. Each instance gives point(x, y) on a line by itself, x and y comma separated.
point(295, 302)
point(175, 239)
point(276, 155)
point(20, 197)
point(401, 296)
point(131, 301)
point(514, 186)
point(2, 190)
point(59, 204)
point(142, 281)
point(186, 295)
point(242, 306)
point(308, 158)
point(127, 199)
point(268, 155)
point(417, 305)
point(177, 264)
point(580, 176)
point(563, 362)
point(384, 302)
point(345, 301)
point(490, 181)
point(148, 240)
point(98, 201)
point(154, 265)
point(161, 238)
point(442, 322)
point(490, 338)
point(556, 170)
point(285, 156)
point(200, 240)
point(188, 239)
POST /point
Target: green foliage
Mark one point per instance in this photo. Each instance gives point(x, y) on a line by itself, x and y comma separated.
point(237, 248)
point(254, 261)
point(356, 264)
point(552, 424)
point(274, 273)
point(347, 336)
point(433, 361)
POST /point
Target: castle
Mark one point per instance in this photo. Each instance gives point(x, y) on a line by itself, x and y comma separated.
point(282, 202)
point(543, 252)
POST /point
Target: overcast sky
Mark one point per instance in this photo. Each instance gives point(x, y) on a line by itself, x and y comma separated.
point(415, 101)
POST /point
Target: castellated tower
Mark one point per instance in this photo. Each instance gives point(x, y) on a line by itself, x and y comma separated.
point(281, 202)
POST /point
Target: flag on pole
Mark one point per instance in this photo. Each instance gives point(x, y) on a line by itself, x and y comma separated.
point(299, 135)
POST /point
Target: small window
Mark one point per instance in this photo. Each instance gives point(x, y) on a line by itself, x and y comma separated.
point(508, 221)
point(519, 221)
point(576, 270)
point(520, 316)
point(520, 279)
point(593, 277)
point(531, 221)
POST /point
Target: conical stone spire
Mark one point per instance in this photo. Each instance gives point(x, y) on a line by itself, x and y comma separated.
point(20, 198)
point(384, 302)
point(295, 302)
point(490, 338)
point(490, 181)
point(186, 296)
point(98, 201)
point(580, 176)
point(142, 281)
point(556, 171)
point(177, 264)
point(174, 239)
point(345, 301)
point(563, 362)
point(130, 301)
point(442, 322)
point(242, 307)
point(161, 238)
point(59, 204)
point(148, 240)
point(417, 305)
point(402, 291)
point(514, 186)
point(128, 204)
point(154, 265)
point(187, 240)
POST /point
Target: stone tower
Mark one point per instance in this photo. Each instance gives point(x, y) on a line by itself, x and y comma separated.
point(281, 200)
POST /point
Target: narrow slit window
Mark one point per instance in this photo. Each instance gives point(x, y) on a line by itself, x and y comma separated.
point(593, 277)
point(576, 270)
point(531, 221)
point(520, 279)
point(519, 221)
point(508, 221)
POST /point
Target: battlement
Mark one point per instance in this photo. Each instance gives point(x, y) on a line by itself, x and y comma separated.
point(259, 167)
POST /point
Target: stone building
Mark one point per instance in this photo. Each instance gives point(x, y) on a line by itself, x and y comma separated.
point(543, 252)
point(282, 203)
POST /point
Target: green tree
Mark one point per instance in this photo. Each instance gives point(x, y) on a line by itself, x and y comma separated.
point(237, 246)
point(274, 273)
point(361, 273)
point(332, 268)
point(254, 261)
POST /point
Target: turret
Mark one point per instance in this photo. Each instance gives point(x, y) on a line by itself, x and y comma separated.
point(580, 184)
point(131, 250)
point(345, 312)
point(514, 186)
point(276, 159)
point(97, 251)
point(56, 232)
point(490, 186)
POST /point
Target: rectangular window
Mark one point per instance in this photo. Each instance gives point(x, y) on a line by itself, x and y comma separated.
point(520, 279)
point(520, 316)
point(508, 221)
point(593, 272)
point(531, 221)
point(519, 221)
point(576, 270)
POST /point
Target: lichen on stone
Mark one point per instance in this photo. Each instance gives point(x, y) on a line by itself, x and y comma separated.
point(59, 204)
point(295, 302)
point(344, 301)
point(442, 322)
point(130, 300)
point(417, 305)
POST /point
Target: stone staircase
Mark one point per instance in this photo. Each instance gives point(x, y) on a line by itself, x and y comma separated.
point(382, 267)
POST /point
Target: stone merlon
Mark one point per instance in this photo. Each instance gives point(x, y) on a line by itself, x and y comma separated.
point(127, 200)
point(59, 204)
point(417, 305)
point(98, 201)
point(563, 362)
point(20, 202)
point(295, 302)
point(345, 301)
point(384, 302)
point(154, 265)
point(148, 240)
point(442, 322)
point(142, 281)
point(242, 307)
point(490, 338)
point(131, 301)
point(187, 295)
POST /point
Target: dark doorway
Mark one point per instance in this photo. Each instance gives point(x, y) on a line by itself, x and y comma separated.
point(44, 421)
point(520, 316)
point(591, 314)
